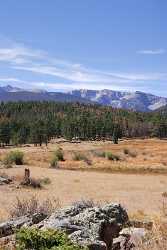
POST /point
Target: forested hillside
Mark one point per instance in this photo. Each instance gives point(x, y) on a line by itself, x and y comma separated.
point(38, 122)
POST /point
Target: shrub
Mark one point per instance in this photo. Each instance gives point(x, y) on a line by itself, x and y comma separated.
point(54, 162)
point(79, 157)
point(126, 151)
point(45, 181)
point(133, 154)
point(14, 157)
point(88, 161)
point(130, 153)
point(35, 183)
point(84, 203)
point(108, 155)
point(36, 239)
point(156, 239)
point(59, 154)
point(100, 154)
point(33, 205)
point(112, 157)
point(7, 162)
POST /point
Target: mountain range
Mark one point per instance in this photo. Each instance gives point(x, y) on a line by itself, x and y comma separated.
point(138, 101)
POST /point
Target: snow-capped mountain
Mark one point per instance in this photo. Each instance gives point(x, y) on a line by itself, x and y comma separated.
point(10, 93)
point(9, 88)
point(138, 101)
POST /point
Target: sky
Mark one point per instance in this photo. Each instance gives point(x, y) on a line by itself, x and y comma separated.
point(59, 45)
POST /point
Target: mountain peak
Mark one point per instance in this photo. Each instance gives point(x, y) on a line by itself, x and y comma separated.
point(137, 100)
point(9, 88)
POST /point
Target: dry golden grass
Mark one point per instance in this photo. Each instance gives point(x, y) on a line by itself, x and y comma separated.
point(135, 192)
point(157, 238)
point(144, 156)
point(141, 194)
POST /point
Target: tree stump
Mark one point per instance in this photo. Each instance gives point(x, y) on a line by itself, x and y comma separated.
point(26, 177)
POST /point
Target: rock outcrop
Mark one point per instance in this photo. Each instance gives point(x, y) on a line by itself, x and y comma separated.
point(97, 227)
point(94, 227)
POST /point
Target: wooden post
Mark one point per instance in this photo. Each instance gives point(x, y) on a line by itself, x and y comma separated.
point(27, 176)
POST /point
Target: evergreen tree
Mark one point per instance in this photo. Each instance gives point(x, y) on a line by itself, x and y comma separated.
point(5, 133)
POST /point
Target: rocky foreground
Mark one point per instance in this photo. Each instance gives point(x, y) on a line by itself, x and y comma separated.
point(99, 228)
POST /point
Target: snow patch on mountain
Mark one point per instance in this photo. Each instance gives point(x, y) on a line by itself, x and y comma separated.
point(138, 101)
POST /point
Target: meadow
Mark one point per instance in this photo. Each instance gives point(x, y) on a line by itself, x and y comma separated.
point(132, 172)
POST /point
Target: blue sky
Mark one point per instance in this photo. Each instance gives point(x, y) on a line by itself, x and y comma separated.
point(66, 44)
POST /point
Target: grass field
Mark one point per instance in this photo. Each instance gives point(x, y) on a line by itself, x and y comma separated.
point(141, 193)
point(147, 155)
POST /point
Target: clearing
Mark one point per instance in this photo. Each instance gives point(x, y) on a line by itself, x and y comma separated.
point(137, 180)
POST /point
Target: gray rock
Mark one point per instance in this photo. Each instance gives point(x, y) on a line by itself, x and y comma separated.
point(7, 228)
point(5, 180)
point(129, 238)
point(123, 243)
point(135, 235)
point(94, 227)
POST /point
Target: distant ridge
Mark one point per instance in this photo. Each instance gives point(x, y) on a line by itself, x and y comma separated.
point(9, 93)
point(137, 101)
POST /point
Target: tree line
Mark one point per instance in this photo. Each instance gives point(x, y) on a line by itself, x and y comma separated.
point(39, 122)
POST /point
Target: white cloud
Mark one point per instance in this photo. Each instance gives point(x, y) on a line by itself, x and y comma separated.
point(61, 86)
point(142, 77)
point(152, 52)
point(76, 75)
point(10, 80)
point(89, 75)
point(19, 55)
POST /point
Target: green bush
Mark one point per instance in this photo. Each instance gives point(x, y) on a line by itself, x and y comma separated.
point(54, 162)
point(112, 157)
point(59, 154)
point(14, 157)
point(100, 154)
point(36, 239)
point(79, 157)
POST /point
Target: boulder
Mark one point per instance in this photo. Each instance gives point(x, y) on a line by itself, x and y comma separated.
point(94, 227)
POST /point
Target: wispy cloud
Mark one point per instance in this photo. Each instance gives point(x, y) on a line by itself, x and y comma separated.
point(19, 55)
point(36, 61)
point(71, 75)
point(152, 52)
point(56, 86)
point(8, 80)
